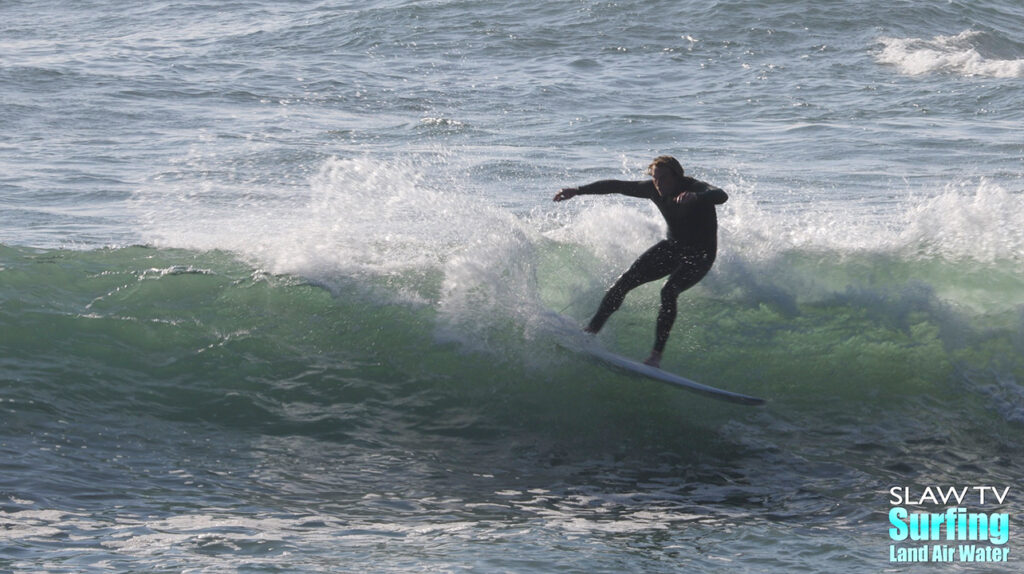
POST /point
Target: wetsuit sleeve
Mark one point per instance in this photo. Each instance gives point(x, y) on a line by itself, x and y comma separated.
point(642, 189)
point(715, 195)
point(705, 192)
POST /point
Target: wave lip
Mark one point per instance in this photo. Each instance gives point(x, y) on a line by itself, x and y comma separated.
point(960, 54)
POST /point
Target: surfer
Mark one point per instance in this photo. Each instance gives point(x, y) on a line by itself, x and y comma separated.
point(685, 256)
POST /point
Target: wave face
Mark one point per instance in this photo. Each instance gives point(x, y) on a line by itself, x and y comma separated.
point(932, 288)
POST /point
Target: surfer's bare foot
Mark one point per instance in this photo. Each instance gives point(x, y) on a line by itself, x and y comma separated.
point(654, 360)
point(589, 330)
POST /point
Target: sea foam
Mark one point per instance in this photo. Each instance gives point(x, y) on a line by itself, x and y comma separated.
point(959, 54)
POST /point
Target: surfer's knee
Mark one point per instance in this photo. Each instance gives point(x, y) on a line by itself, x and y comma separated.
point(669, 294)
point(627, 282)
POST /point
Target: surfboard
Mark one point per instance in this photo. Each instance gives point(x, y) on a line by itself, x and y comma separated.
point(572, 338)
point(673, 379)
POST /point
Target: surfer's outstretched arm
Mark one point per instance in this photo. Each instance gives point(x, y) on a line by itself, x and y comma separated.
point(608, 186)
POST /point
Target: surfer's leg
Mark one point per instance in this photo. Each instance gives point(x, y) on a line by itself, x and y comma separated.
point(613, 300)
point(655, 263)
point(692, 269)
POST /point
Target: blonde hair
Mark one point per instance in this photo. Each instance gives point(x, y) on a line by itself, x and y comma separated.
point(667, 161)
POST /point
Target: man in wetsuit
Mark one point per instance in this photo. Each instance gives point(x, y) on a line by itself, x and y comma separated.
point(688, 206)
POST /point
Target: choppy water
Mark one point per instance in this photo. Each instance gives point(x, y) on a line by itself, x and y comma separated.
point(276, 281)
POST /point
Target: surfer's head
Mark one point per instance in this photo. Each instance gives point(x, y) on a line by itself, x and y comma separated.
point(668, 161)
point(666, 173)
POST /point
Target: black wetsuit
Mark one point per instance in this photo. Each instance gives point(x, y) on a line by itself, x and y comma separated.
point(685, 256)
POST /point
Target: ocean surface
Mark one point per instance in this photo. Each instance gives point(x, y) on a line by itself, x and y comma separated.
point(278, 282)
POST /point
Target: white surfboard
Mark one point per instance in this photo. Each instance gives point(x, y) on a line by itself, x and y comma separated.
point(671, 378)
point(575, 340)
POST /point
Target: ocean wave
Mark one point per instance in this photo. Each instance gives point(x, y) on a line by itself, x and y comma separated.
point(905, 289)
point(207, 336)
point(961, 54)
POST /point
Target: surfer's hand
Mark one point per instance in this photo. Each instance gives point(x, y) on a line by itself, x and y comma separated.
point(686, 197)
point(567, 193)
